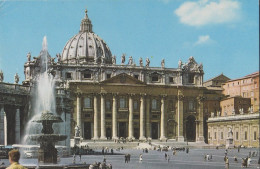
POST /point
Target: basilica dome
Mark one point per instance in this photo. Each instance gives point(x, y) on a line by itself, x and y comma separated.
point(86, 46)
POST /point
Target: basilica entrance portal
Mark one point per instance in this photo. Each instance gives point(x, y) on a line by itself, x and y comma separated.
point(155, 130)
point(87, 130)
point(122, 129)
point(191, 128)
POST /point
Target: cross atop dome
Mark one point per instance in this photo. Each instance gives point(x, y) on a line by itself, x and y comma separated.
point(86, 13)
point(86, 25)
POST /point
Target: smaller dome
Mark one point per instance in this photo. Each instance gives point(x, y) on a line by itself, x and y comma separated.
point(86, 46)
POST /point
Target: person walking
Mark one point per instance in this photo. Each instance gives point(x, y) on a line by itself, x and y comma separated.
point(248, 161)
point(14, 156)
point(126, 160)
point(140, 158)
point(227, 163)
point(165, 156)
point(168, 158)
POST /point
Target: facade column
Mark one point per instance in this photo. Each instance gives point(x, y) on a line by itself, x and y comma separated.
point(79, 113)
point(3, 125)
point(17, 126)
point(95, 118)
point(103, 118)
point(148, 120)
point(131, 114)
point(162, 119)
point(180, 137)
point(114, 118)
point(200, 100)
point(197, 129)
point(142, 137)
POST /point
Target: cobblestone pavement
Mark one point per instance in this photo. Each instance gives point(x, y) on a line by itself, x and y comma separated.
point(156, 160)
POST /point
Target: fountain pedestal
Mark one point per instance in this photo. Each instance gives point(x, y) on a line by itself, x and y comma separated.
point(47, 155)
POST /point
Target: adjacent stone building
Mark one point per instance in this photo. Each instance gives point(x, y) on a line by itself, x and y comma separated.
point(239, 112)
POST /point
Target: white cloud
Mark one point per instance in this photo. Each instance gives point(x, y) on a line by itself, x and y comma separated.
point(204, 12)
point(204, 39)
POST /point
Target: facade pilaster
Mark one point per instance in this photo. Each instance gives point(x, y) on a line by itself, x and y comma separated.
point(103, 118)
point(142, 137)
point(114, 118)
point(95, 117)
point(180, 137)
point(79, 113)
point(162, 127)
point(200, 100)
point(17, 126)
point(148, 119)
point(131, 115)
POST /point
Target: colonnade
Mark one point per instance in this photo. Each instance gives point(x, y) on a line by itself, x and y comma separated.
point(144, 117)
point(3, 126)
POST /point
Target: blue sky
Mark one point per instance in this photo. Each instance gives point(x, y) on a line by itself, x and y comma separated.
point(221, 34)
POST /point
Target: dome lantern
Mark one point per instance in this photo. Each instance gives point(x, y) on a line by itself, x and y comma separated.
point(86, 25)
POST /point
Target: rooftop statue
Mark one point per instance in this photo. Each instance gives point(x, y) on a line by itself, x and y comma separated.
point(114, 60)
point(180, 64)
point(1, 76)
point(58, 57)
point(16, 78)
point(123, 59)
point(29, 57)
point(147, 62)
point(163, 63)
point(130, 62)
point(141, 61)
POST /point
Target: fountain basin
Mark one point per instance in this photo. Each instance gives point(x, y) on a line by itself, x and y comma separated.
point(47, 137)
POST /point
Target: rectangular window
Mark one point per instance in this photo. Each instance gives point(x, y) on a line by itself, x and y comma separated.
point(191, 78)
point(191, 105)
point(215, 135)
point(154, 104)
point(209, 135)
point(221, 135)
point(87, 115)
point(108, 115)
point(245, 135)
point(87, 102)
point(87, 76)
point(254, 135)
point(252, 94)
point(68, 75)
point(236, 135)
point(108, 76)
point(135, 105)
point(108, 105)
point(122, 103)
point(136, 116)
point(136, 76)
point(155, 78)
point(171, 79)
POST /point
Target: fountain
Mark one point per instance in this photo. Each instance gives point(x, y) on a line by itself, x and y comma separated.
point(47, 152)
point(44, 103)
